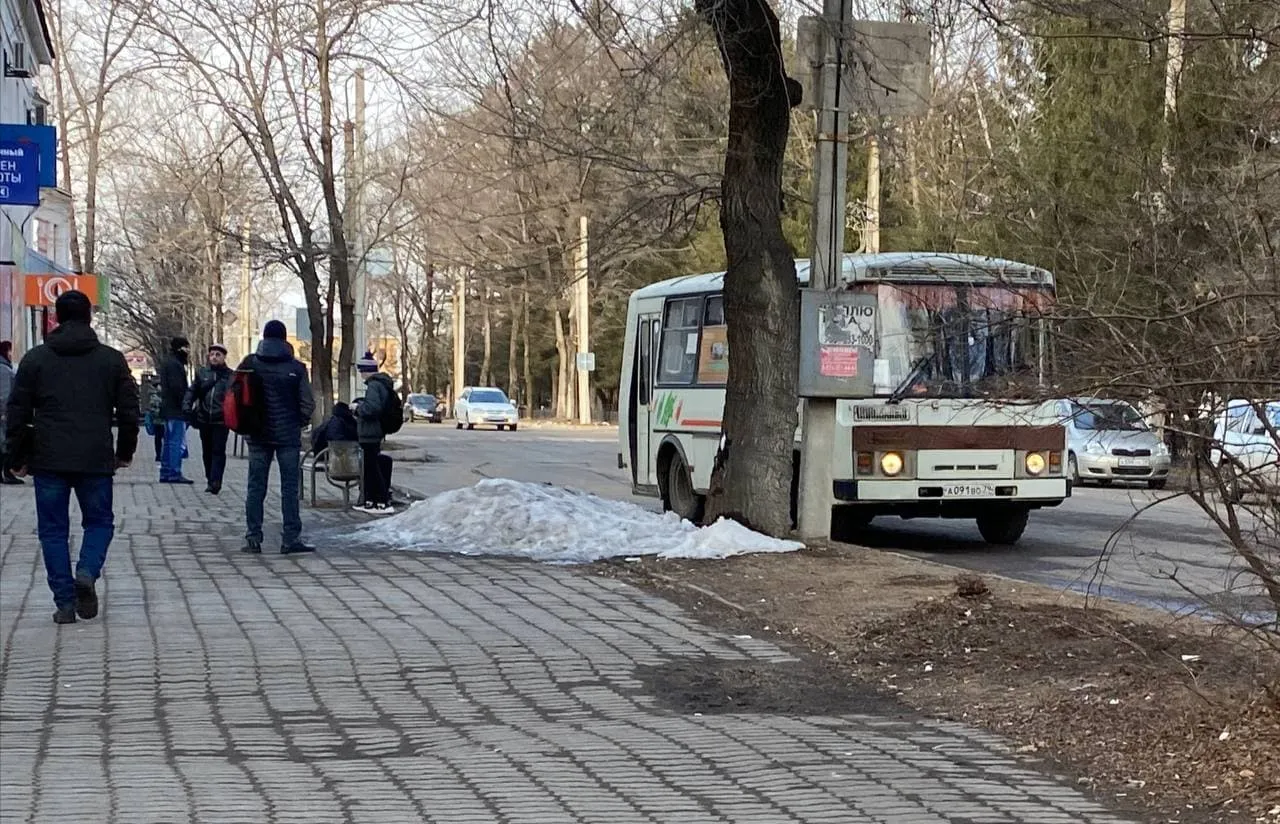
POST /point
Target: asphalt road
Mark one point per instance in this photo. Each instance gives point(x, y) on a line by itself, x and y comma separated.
point(1152, 548)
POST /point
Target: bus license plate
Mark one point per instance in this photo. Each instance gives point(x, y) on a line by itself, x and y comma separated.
point(968, 490)
point(1133, 462)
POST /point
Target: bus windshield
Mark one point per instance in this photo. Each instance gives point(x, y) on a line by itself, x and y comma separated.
point(945, 340)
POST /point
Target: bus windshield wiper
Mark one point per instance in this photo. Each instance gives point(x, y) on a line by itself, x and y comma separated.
point(895, 397)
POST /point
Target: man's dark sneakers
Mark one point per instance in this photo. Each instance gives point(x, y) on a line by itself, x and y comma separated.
point(10, 479)
point(65, 615)
point(296, 547)
point(86, 597)
point(215, 488)
point(252, 546)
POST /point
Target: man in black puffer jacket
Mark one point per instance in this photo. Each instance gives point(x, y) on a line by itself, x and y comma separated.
point(203, 407)
point(67, 393)
point(288, 404)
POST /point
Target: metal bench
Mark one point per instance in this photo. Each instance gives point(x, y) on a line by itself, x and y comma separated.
point(342, 463)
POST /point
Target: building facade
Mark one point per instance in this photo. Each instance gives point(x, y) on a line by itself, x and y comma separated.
point(34, 239)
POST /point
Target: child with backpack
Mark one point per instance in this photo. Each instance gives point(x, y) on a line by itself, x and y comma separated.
point(379, 414)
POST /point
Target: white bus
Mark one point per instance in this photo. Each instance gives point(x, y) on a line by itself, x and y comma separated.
point(954, 430)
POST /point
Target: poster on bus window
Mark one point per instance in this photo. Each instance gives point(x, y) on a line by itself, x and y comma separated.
point(713, 361)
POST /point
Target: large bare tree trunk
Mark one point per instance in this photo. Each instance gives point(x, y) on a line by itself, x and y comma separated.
point(513, 375)
point(751, 480)
point(562, 409)
point(530, 400)
point(486, 365)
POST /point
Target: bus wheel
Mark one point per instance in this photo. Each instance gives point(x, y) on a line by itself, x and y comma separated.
point(1004, 528)
point(680, 497)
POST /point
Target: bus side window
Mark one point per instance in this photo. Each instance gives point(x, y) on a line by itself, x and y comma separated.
point(644, 371)
point(678, 360)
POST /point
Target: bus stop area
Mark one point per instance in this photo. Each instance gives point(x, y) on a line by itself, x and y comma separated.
point(383, 686)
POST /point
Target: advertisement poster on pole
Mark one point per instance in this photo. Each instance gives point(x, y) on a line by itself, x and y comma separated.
point(837, 344)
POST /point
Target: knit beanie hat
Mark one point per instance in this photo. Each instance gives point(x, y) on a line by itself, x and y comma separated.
point(275, 329)
point(179, 343)
point(367, 364)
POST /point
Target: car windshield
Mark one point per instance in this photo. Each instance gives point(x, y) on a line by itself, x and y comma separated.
point(1242, 417)
point(487, 396)
point(943, 340)
point(421, 400)
point(1096, 417)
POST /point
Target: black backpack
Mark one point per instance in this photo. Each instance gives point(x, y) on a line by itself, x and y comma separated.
point(392, 414)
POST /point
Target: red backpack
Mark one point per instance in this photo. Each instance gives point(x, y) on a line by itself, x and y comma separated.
point(243, 409)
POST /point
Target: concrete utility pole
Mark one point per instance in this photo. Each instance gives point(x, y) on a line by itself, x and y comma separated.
point(871, 243)
point(247, 325)
point(831, 155)
point(582, 300)
point(353, 224)
point(1172, 74)
point(459, 334)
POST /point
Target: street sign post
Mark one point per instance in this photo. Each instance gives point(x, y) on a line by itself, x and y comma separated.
point(19, 174)
point(890, 75)
point(885, 67)
point(872, 70)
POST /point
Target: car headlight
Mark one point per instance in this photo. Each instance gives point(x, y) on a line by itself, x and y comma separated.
point(1035, 463)
point(1095, 448)
point(1161, 450)
point(891, 463)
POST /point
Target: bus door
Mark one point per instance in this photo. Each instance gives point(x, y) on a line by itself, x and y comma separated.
point(644, 473)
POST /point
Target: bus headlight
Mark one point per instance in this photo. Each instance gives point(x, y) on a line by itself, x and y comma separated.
point(1035, 463)
point(891, 463)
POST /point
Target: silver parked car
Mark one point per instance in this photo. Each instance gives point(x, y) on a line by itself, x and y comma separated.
point(1108, 440)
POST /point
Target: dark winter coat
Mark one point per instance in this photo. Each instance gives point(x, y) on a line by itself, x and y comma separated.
point(341, 426)
point(69, 391)
point(173, 388)
point(377, 394)
point(286, 390)
point(203, 403)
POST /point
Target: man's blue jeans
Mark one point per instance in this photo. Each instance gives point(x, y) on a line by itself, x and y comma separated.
point(287, 457)
point(175, 440)
point(53, 517)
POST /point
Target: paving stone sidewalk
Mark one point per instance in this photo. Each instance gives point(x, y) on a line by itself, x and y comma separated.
point(387, 687)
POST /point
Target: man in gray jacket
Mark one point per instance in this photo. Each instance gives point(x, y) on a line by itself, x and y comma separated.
point(379, 395)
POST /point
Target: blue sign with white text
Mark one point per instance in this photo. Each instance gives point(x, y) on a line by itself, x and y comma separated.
point(44, 139)
point(19, 174)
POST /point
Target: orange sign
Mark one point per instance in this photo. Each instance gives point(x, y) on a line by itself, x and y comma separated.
point(43, 290)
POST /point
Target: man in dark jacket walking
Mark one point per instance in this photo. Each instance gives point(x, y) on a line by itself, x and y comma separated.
point(65, 398)
point(378, 395)
point(203, 407)
point(173, 388)
point(287, 407)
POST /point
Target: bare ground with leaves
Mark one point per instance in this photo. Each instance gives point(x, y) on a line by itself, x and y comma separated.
point(1168, 715)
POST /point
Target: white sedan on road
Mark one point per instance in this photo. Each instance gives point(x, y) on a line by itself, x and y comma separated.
point(485, 406)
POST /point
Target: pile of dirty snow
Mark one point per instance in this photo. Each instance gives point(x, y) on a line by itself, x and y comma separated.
point(549, 523)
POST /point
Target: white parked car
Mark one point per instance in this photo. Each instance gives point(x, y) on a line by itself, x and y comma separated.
point(1245, 448)
point(485, 406)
